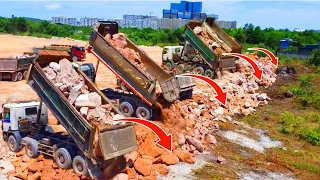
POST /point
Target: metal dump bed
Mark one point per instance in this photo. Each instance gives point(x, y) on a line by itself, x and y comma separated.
point(217, 34)
point(113, 142)
point(15, 64)
point(134, 78)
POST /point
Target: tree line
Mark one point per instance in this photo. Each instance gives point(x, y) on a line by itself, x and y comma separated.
point(249, 35)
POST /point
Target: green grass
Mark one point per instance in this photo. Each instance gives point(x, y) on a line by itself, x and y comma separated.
point(304, 127)
point(307, 167)
point(306, 90)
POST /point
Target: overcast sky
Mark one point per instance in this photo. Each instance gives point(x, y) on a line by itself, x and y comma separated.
point(276, 14)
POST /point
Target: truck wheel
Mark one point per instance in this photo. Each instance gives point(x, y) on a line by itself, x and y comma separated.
point(199, 70)
point(180, 68)
point(143, 112)
point(74, 58)
point(32, 148)
point(19, 76)
point(63, 158)
point(14, 77)
point(14, 143)
point(123, 86)
point(79, 166)
point(126, 108)
point(169, 66)
point(25, 74)
point(209, 73)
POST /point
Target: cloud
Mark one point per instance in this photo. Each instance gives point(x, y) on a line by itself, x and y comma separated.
point(53, 6)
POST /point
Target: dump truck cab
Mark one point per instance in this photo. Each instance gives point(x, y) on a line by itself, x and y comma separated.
point(77, 53)
point(17, 116)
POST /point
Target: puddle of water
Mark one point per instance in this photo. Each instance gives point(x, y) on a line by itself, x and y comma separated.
point(264, 142)
point(183, 171)
point(265, 175)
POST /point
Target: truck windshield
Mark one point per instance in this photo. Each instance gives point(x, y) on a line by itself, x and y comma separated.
point(165, 51)
point(31, 111)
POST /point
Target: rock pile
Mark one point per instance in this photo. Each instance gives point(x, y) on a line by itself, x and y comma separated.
point(73, 87)
point(150, 160)
point(119, 42)
point(286, 71)
point(40, 168)
point(217, 46)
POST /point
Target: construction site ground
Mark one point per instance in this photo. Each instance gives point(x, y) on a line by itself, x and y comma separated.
point(249, 148)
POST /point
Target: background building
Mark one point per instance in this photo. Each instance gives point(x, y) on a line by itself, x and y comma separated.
point(64, 20)
point(86, 21)
point(177, 16)
point(227, 24)
point(141, 21)
point(186, 10)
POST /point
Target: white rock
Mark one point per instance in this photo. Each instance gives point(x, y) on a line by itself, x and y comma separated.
point(55, 66)
point(6, 167)
point(219, 111)
point(181, 139)
point(262, 97)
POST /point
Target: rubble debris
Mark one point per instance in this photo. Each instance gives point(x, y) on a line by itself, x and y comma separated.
point(221, 160)
point(168, 159)
point(119, 42)
point(194, 142)
point(160, 169)
point(72, 85)
point(214, 45)
point(285, 71)
point(143, 166)
point(6, 167)
point(184, 156)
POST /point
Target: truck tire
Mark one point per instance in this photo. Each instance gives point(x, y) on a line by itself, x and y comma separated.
point(63, 158)
point(74, 58)
point(14, 77)
point(32, 148)
point(209, 73)
point(19, 76)
point(180, 68)
point(169, 66)
point(199, 70)
point(79, 166)
point(14, 142)
point(126, 108)
point(25, 74)
point(143, 112)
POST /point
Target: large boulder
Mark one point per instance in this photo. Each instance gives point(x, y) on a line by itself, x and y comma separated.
point(143, 166)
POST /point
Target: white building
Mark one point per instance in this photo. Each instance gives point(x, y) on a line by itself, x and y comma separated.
point(64, 20)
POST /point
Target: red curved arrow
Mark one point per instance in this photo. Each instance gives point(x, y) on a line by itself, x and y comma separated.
point(273, 58)
point(222, 96)
point(164, 141)
point(257, 72)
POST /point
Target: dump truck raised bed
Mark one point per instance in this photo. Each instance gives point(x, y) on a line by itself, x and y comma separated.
point(137, 81)
point(198, 57)
point(15, 69)
point(87, 148)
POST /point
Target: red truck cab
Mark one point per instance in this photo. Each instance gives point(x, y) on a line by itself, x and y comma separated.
point(77, 53)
